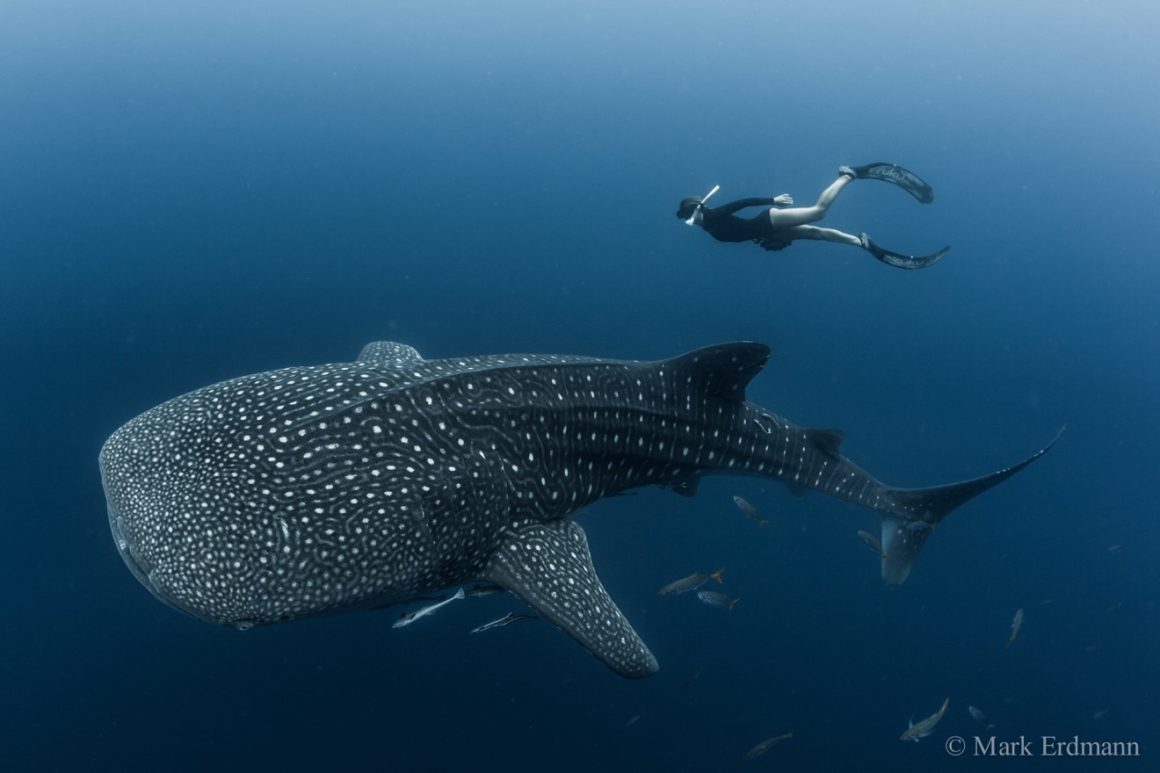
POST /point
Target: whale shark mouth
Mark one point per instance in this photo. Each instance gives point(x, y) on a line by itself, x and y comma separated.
point(142, 569)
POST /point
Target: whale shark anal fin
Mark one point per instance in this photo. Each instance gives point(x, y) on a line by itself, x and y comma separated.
point(389, 354)
point(549, 567)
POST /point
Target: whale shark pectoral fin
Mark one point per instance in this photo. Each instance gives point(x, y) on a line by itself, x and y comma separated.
point(389, 354)
point(901, 542)
point(721, 371)
point(550, 568)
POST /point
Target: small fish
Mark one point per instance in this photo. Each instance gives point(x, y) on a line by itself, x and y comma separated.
point(980, 717)
point(692, 582)
point(508, 619)
point(692, 680)
point(766, 745)
point(481, 590)
point(1115, 548)
point(411, 617)
point(633, 720)
point(745, 506)
point(925, 727)
point(715, 599)
point(1016, 625)
point(1097, 716)
point(872, 542)
point(1115, 607)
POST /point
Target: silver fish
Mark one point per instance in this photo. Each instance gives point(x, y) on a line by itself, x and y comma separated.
point(978, 715)
point(411, 617)
point(925, 727)
point(692, 582)
point(508, 619)
point(872, 542)
point(715, 599)
point(1016, 626)
point(766, 745)
point(745, 506)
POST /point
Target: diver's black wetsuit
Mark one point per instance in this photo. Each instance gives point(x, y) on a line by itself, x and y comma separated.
point(724, 226)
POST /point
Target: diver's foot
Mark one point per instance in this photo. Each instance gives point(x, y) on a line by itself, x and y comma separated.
point(847, 171)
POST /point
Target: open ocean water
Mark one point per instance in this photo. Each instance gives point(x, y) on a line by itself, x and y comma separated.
point(191, 191)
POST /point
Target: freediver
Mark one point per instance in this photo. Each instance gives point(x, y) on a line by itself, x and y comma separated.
point(776, 228)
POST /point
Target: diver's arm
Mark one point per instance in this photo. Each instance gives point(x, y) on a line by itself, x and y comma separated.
point(733, 206)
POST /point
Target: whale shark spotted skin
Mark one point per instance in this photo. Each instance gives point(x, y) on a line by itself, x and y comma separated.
point(312, 490)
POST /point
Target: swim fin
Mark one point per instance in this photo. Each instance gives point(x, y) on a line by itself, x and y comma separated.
point(893, 173)
point(898, 260)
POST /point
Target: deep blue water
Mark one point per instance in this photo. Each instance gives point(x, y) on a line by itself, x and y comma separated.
point(194, 191)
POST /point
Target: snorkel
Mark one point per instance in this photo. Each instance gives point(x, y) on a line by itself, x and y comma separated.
point(693, 217)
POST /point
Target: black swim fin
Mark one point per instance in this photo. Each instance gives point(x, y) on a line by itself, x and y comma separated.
point(898, 260)
point(893, 173)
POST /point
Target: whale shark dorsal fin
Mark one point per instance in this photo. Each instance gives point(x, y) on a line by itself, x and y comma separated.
point(722, 371)
point(548, 566)
point(389, 354)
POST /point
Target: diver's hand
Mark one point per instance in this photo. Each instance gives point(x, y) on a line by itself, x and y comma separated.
point(784, 198)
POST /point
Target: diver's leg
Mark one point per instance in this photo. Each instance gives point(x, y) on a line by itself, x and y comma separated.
point(824, 235)
point(786, 218)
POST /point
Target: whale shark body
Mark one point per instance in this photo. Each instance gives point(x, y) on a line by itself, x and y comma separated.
point(312, 490)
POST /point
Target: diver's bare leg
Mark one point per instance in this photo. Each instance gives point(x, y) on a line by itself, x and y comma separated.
point(824, 235)
point(786, 218)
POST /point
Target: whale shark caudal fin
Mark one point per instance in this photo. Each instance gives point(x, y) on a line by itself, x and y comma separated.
point(548, 566)
point(917, 511)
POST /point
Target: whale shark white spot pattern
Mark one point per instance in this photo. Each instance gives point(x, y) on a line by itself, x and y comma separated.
point(310, 490)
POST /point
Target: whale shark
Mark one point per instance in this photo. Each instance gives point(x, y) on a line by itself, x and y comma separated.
point(319, 489)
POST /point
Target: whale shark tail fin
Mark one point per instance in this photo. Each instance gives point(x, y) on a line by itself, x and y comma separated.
point(915, 513)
